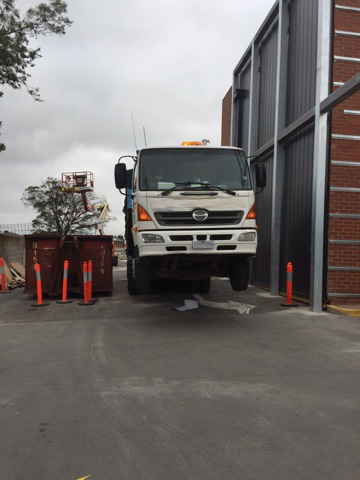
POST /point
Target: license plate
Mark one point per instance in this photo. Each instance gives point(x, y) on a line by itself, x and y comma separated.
point(198, 244)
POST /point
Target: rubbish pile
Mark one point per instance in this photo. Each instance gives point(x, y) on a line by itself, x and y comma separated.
point(14, 275)
point(121, 253)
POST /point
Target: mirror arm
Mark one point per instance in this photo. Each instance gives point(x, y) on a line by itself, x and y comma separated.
point(128, 156)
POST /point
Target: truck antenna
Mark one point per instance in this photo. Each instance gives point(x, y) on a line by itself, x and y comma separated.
point(144, 136)
point(132, 118)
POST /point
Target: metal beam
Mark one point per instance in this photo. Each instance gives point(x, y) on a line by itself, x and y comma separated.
point(254, 97)
point(347, 295)
point(234, 127)
point(340, 136)
point(349, 9)
point(345, 189)
point(267, 22)
point(346, 59)
point(279, 149)
point(351, 112)
point(347, 34)
point(243, 61)
point(321, 135)
point(345, 215)
point(298, 125)
point(259, 34)
point(345, 242)
point(260, 152)
point(341, 94)
point(343, 269)
point(345, 163)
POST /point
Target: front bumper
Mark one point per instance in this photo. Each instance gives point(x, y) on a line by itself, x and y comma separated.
point(181, 242)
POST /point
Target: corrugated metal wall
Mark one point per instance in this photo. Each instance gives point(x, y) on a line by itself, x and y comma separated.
point(298, 174)
point(296, 211)
point(298, 167)
point(267, 88)
point(301, 59)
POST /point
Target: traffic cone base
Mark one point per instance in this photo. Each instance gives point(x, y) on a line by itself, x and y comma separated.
point(85, 304)
point(43, 304)
point(64, 301)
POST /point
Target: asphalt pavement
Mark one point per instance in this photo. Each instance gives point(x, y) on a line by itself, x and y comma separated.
point(130, 389)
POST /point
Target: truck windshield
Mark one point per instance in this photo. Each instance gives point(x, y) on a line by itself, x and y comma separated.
point(161, 169)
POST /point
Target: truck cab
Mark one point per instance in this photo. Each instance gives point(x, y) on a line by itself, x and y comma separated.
point(192, 216)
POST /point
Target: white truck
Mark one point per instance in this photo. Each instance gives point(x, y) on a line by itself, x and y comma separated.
point(190, 215)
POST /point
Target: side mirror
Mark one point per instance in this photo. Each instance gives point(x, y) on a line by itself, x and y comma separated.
point(120, 175)
point(260, 175)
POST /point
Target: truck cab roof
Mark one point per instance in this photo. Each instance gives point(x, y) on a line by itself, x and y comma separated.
point(190, 146)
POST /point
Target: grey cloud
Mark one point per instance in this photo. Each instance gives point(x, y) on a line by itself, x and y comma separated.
point(170, 62)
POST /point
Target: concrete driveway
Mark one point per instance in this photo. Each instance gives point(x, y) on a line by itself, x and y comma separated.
point(129, 389)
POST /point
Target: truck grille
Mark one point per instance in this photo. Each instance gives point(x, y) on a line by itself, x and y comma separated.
point(221, 217)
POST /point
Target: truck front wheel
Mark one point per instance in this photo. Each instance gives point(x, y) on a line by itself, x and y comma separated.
point(239, 275)
point(142, 279)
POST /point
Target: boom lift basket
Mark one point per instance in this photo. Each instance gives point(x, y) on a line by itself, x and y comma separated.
point(78, 182)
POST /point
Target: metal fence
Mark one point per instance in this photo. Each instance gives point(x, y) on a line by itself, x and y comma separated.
point(18, 228)
point(12, 246)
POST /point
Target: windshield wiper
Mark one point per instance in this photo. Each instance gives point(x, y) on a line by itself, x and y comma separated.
point(202, 184)
point(215, 187)
point(178, 185)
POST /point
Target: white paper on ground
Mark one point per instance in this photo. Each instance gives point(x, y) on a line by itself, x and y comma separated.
point(189, 305)
point(240, 307)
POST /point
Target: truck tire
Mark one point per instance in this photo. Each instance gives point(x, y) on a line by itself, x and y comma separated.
point(115, 261)
point(130, 277)
point(142, 279)
point(239, 275)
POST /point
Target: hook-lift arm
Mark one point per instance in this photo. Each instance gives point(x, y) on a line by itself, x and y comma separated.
point(103, 211)
point(87, 206)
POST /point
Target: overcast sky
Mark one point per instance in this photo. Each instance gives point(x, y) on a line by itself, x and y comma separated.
point(169, 62)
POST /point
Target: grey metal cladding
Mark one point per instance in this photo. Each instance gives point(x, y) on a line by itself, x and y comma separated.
point(243, 107)
point(267, 86)
point(301, 58)
point(261, 265)
point(299, 93)
point(297, 211)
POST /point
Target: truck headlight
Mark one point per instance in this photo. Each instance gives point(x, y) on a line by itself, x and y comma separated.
point(247, 237)
point(152, 238)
